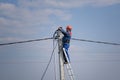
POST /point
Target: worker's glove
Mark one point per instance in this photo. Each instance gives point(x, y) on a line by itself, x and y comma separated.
point(59, 28)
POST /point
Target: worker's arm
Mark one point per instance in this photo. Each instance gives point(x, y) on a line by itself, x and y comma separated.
point(63, 31)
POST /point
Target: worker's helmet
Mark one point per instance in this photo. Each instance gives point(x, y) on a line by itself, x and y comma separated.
point(69, 27)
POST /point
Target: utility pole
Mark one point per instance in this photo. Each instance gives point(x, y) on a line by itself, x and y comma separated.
point(60, 54)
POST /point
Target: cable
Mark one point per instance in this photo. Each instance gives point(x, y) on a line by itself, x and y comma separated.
point(54, 61)
point(55, 71)
point(48, 62)
point(21, 62)
point(3, 44)
point(109, 43)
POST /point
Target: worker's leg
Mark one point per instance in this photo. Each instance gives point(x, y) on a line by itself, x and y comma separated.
point(65, 49)
point(66, 54)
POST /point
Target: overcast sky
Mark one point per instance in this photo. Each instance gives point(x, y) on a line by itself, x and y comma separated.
point(32, 19)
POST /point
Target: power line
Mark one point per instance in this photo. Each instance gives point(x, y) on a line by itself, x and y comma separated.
point(55, 71)
point(48, 62)
point(11, 43)
point(21, 62)
point(101, 42)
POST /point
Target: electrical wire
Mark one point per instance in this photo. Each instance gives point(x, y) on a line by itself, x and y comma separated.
point(101, 42)
point(49, 62)
point(55, 71)
point(11, 43)
point(21, 62)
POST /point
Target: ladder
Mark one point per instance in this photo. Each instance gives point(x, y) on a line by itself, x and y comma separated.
point(68, 67)
point(70, 72)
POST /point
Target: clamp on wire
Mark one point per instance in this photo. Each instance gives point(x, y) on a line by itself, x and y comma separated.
point(55, 36)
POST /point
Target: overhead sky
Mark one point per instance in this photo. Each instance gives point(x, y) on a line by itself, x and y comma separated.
point(97, 20)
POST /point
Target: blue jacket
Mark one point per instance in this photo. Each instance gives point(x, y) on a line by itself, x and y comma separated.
point(67, 36)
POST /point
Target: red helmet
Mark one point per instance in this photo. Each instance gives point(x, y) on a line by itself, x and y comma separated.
point(69, 27)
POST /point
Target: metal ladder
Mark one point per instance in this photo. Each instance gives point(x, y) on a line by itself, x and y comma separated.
point(69, 68)
point(70, 71)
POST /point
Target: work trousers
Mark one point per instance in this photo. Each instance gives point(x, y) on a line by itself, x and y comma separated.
point(65, 50)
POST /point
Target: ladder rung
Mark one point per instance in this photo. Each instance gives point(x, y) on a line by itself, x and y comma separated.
point(70, 75)
point(69, 69)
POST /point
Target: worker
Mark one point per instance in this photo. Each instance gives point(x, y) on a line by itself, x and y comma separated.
point(66, 42)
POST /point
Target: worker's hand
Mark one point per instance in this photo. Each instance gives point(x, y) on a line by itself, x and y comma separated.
point(59, 28)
